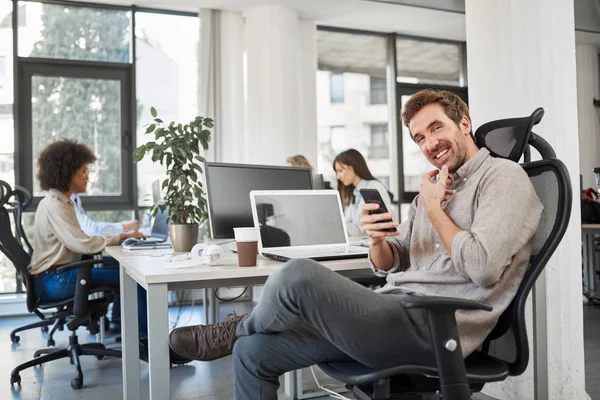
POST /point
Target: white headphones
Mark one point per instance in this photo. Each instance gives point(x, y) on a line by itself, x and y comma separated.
point(199, 255)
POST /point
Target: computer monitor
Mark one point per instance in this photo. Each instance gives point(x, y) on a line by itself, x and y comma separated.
point(229, 185)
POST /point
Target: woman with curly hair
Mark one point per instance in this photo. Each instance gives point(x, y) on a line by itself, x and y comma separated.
point(63, 168)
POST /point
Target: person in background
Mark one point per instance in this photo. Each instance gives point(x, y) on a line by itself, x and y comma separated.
point(63, 168)
point(92, 227)
point(299, 161)
point(352, 175)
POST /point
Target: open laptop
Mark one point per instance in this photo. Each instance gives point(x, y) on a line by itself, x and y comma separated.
point(158, 235)
point(302, 224)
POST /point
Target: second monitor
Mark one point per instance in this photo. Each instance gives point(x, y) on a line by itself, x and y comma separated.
point(229, 186)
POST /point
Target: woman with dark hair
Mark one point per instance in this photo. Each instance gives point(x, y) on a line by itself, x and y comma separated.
point(63, 168)
point(352, 175)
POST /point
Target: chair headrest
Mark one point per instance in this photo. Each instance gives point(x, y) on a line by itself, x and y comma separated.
point(508, 138)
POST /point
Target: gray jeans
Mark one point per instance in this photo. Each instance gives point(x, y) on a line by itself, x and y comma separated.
point(308, 314)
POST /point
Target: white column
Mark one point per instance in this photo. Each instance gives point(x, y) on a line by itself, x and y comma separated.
point(231, 99)
point(588, 89)
point(280, 109)
point(221, 82)
point(306, 141)
point(521, 55)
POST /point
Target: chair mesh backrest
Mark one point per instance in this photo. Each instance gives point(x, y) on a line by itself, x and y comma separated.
point(11, 248)
point(508, 340)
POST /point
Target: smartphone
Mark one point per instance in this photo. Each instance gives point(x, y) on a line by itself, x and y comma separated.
point(373, 196)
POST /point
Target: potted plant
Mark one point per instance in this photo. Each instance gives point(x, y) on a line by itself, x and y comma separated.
point(177, 147)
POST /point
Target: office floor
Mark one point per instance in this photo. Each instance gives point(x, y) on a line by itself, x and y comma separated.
point(102, 379)
point(197, 380)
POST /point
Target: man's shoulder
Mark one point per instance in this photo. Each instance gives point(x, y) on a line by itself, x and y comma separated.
point(502, 166)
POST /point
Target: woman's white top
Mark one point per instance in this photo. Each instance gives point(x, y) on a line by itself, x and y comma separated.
point(353, 211)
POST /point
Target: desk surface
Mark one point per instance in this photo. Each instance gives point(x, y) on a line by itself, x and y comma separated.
point(149, 267)
point(590, 226)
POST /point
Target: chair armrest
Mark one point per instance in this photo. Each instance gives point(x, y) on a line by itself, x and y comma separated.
point(369, 280)
point(78, 264)
point(82, 288)
point(446, 341)
point(443, 303)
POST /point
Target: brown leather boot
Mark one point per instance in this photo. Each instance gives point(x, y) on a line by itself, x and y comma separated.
point(206, 342)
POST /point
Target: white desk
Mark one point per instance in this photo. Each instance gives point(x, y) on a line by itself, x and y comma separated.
point(147, 268)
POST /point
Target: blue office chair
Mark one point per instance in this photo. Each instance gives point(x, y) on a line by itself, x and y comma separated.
point(505, 352)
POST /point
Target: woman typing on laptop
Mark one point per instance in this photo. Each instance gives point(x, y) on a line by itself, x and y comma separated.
point(59, 239)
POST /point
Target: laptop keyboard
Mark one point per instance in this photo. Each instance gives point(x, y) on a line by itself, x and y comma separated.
point(322, 252)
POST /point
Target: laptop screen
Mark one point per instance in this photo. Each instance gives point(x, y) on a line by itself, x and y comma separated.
point(294, 219)
point(160, 228)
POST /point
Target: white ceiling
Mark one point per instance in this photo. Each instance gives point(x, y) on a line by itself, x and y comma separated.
point(354, 14)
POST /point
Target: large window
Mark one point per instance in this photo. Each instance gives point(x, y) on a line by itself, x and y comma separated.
point(74, 33)
point(427, 62)
point(80, 77)
point(167, 79)
point(8, 282)
point(361, 60)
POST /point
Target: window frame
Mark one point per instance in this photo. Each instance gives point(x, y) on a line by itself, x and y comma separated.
point(23, 139)
point(29, 67)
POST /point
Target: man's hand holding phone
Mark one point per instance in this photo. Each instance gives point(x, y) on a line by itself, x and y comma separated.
point(377, 225)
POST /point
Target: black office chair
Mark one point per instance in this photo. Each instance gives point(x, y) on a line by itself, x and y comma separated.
point(505, 352)
point(79, 310)
point(17, 200)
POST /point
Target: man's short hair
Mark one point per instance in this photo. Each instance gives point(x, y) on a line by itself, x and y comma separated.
point(59, 161)
point(454, 107)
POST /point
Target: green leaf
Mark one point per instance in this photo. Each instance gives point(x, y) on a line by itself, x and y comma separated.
point(150, 128)
point(153, 112)
point(158, 120)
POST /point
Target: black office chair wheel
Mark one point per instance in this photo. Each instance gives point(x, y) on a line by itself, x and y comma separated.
point(14, 338)
point(15, 378)
point(51, 342)
point(76, 383)
point(45, 329)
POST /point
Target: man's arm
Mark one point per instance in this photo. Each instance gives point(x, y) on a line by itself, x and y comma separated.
point(389, 250)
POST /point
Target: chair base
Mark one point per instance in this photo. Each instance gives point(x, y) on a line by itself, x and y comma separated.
point(73, 352)
point(404, 387)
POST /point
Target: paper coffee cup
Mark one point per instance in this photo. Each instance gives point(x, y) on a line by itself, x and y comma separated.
point(246, 242)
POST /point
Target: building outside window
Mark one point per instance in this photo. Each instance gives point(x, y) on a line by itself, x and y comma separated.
point(378, 94)
point(379, 141)
point(336, 82)
point(357, 58)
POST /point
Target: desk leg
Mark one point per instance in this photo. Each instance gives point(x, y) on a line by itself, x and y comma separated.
point(158, 342)
point(290, 384)
point(213, 307)
point(591, 264)
point(205, 305)
point(586, 264)
point(130, 337)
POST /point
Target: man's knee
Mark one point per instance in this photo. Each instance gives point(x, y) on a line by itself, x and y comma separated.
point(298, 271)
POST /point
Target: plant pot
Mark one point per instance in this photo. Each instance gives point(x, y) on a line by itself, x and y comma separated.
point(183, 236)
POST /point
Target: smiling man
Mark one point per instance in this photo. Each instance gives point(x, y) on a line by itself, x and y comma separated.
point(468, 235)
